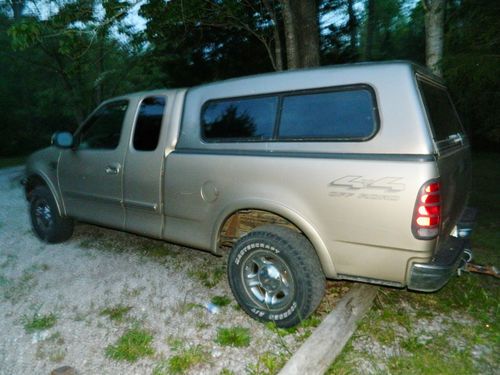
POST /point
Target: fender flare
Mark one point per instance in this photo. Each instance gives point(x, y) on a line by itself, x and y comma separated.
point(287, 213)
point(40, 175)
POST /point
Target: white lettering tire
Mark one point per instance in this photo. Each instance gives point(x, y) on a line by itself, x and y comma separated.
point(275, 275)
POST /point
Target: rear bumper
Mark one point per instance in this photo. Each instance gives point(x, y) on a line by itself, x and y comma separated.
point(432, 276)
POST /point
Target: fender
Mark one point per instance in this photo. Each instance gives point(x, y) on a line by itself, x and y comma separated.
point(37, 166)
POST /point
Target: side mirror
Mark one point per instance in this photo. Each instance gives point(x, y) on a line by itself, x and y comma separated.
point(62, 139)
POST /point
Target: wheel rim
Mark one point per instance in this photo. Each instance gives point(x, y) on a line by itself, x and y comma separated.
point(43, 215)
point(268, 280)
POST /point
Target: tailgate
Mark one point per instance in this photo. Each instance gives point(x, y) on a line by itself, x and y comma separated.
point(453, 152)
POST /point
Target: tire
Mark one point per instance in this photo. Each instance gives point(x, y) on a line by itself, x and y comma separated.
point(47, 223)
point(275, 275)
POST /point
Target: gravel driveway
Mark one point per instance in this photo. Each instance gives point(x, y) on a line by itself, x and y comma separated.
point(155, 286)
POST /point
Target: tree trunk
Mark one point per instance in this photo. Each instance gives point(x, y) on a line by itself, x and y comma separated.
point(352, 25)
point(370, 30)
point(434, 34)
point(308, 30)
point(17, 8)
point(291, 37)
point(278, 49)
point(301, 33)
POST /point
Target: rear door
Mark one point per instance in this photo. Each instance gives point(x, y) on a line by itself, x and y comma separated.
point(453, 151)
point(144, 164)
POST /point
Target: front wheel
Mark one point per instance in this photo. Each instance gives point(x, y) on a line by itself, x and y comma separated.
point(47, 223)
point(275, 275)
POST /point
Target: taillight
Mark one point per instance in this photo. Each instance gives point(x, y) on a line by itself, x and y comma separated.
point(427, 213)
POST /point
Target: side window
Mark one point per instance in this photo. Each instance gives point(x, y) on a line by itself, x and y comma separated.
point(103, 129)
point(440, 111)
point(148, 123)
point(346, 114)
point(233, 119)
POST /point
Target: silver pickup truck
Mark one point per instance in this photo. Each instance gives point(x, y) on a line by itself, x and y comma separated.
point(358, 172)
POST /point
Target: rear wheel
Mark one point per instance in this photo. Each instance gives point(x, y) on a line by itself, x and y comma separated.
point(275, 275)
point(47, 223)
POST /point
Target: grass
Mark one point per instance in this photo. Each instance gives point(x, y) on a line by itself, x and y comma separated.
point(233, 336)
point(182, 361)
point(17, 289)
point(268, 364)
point(38, 322)
point(12, 162)
point(221, 300)
point(116, 313)
point(208, 278)
point(453, 331)
point(131, 346)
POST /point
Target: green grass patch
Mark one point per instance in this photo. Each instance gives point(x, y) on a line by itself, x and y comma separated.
point(182, 361)
point(38, 322)
point(233, 336)
point(116, 313)
point(209, 278)
point(131, 346)
point(221, 300)
point(268, 364)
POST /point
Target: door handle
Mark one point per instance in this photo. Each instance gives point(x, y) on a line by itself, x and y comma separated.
point(113, 168)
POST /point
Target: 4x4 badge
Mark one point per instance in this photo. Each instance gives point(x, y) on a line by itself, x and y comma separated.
point(388, 184)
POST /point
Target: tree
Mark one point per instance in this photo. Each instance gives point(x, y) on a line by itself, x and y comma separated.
point(471, 67)
point(370, 29)
point(302, 33)
point(352, 25)
point(17, 7)
point(76, 47)
point(281, 27)
point(434, 33)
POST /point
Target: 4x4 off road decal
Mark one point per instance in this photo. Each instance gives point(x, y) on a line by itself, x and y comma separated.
point(385, 188)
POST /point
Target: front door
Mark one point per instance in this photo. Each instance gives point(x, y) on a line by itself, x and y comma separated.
point(91, 174)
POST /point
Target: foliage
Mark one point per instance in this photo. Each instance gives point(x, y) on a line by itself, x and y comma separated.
point(57, 65)
point(472, 67)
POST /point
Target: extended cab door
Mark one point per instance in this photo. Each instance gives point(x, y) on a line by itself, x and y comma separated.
point(90, 174)
point(144, 164)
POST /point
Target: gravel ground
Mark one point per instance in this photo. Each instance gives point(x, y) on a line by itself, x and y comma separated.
point(165, 286)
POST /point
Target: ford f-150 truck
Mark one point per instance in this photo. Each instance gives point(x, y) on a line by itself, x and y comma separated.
point(358, 172)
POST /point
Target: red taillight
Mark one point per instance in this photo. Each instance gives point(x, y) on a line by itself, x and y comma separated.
point(427, 214)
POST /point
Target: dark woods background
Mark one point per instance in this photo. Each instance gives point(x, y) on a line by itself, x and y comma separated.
point(59, 59)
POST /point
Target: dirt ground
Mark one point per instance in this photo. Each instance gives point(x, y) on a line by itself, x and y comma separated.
point(164, 287)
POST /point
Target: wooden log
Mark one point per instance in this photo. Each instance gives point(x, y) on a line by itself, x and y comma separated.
point(327, 341)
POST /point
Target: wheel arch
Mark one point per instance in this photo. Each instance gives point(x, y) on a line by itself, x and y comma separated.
point(282, 216)
point(38, 178)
